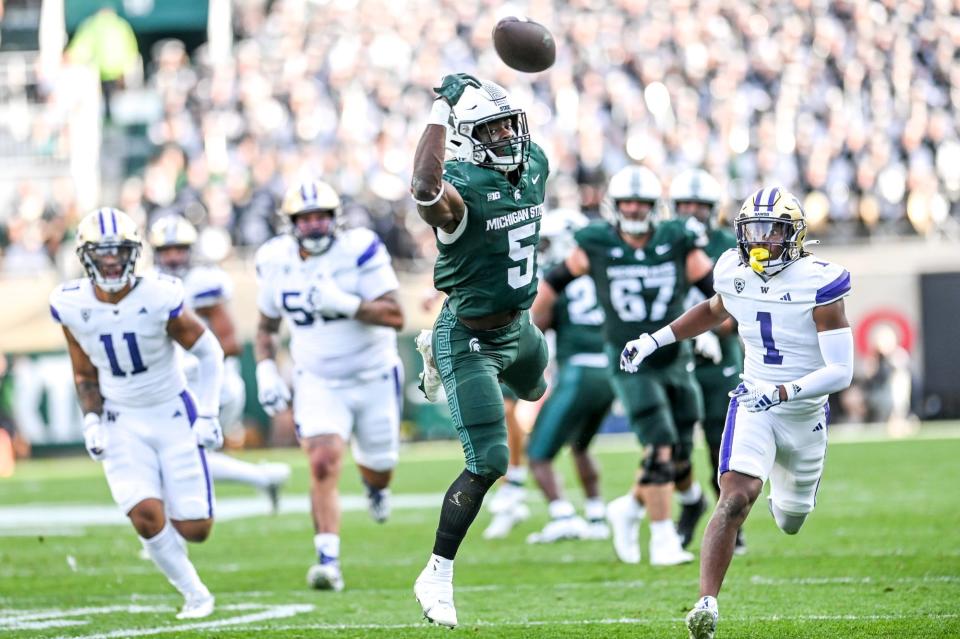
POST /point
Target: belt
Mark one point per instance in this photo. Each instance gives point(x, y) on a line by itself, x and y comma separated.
point(489, 322)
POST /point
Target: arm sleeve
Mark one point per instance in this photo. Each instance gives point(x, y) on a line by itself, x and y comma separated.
point(209, 373)
point(836, 347)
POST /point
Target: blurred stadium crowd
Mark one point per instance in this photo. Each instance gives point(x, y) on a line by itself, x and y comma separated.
point(851, 102)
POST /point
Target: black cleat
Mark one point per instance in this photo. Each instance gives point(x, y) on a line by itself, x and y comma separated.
point(689, 517)
point(741, 546)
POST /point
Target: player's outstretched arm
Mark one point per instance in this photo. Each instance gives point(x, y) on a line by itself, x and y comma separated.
point(696, 320)
point(85, 376)
point(382, 311)
point(218, 319)
point(553, 283)
point(836, 348)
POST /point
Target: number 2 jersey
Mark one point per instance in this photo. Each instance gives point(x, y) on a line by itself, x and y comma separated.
point(775, 318)
point(489, 264)
point(128, 342)
point(641, 290)
point(329, 348)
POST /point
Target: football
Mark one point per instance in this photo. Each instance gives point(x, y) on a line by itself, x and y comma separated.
point(524, 45)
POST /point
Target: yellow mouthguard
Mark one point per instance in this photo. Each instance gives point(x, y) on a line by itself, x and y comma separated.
point(756, 255)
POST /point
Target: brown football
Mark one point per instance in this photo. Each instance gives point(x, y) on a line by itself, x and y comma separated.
point(524, 45)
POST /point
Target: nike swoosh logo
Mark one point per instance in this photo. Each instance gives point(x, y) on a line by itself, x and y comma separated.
point(535, 179)
point(471, 108)
point(663, 248)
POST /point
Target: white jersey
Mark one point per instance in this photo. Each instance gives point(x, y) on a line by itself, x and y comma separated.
point(775, 318)
point(127, 341)
point(338, 348)
point(203, 287)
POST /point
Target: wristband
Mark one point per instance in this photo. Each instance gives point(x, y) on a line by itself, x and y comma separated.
point(439, 113)
point(664, 336)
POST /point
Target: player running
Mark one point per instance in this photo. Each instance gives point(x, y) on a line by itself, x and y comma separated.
point(485, 206)
point(337, 291)
point(799, 348)
point(207, 292)
point(150, 432)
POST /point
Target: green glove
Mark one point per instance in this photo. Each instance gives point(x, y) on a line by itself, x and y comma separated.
point(452, 86)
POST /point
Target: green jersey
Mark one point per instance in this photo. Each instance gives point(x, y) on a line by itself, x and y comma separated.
point(489, 263)
point(719, 240)
point(641, 290)
point(578, 321)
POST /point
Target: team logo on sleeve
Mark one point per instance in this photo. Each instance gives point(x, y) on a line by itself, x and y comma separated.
point(85, 314)
point(739, 284)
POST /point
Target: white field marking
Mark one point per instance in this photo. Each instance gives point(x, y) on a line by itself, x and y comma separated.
point(600, 622)
point(271, 612)
point(8, 617)
point(40, 518)
point(46, 625)
point(41, 531)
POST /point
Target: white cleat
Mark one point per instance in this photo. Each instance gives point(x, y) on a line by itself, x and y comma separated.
point(702, 620)
point(277, 475)
point(669, 552)
point(597, 531)
point(430, 382)
point(325, 576)
point(197, 606)
point(506, 497)
point(559, 530)
point(624, 515)
point(435, 596)
point(502, 523)
point(378, 504)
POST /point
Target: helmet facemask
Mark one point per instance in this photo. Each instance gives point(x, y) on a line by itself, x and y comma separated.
point(769, 244)
point(474, 133)
point(110, 264)
point(506, 153)
point(639, 225)
point(314, 230)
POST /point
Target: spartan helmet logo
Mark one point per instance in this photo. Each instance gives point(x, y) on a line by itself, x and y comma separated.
point(739, 284)
point(474, 345)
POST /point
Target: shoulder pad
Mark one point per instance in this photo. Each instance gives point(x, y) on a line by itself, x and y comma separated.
point(362, 246)
point(725, 271)
point(206, 286)
point(273, 253)
point(831, 281)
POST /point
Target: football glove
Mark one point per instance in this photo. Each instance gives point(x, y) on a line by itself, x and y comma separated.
point(327, 300)
point(272, 391)
point(94, 437)
point(636, 351)
point(452, 86)
point(756, 397)
point(207, 431)
point(707, 345)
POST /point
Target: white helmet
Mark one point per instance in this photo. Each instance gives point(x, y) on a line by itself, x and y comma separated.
point(556, 234)
point(307, 197)
point(468, 139)
point(108, 233)
point(638, 184)
point(172, 231)
point(695, 185)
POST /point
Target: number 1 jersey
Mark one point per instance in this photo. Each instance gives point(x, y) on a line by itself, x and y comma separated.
point(127, 341)
point(775, 318)
point(488, 264)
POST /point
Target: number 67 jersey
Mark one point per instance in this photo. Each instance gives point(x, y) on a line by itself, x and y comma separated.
point(775, 318)
point(127, 341)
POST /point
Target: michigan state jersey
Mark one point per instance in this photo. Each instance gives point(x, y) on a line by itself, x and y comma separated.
point(641, 290)
point(719, 240)
point(127, 341)
point(488, 264)
point(578, 324)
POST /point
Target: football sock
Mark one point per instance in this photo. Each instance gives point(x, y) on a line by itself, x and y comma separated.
point(594, 509)
point(225, 468)
point(691, 495)
point(327, 546)
point(460, 507)
point(517, 475)
point(661, 530)
point(169, 553)
point(561, 509)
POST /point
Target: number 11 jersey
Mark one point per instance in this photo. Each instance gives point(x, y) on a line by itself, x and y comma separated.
point(775, 318)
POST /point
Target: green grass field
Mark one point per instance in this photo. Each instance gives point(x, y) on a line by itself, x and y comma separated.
point(880, 557)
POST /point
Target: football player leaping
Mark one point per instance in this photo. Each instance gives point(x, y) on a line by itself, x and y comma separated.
point(139, 418)
point(799, 349)
point(206, 292)
point(337, 291)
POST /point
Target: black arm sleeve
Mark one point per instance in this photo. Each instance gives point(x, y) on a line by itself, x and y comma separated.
point(705, 285)
point(559, 276)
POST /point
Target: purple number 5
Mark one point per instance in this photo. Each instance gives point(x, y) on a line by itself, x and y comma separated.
point(772, 356)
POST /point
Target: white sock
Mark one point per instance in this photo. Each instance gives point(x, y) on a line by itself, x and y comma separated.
point(634, 507)
point(662, 530)
point(691, 495)
point(440, 567)
point(561, 509)
point(594, 508)
point(517, 475)
point(327, 544)
point(225, 468)
point(707, 602)
point(168, 551)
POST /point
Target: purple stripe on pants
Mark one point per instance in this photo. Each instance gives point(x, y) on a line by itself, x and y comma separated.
point(192, 416)
point(726, 448)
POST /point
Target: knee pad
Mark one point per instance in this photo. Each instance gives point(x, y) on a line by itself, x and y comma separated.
point(682, 471)
point(496, 461)
point(789, 523)
point(655, 472)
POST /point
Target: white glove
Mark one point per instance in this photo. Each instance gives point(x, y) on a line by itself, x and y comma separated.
point(208, 432)
point(756, 397)
point(636, 351)
point(272, 391)
point(707, 345)
point(94, 437)
point(328, 300)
